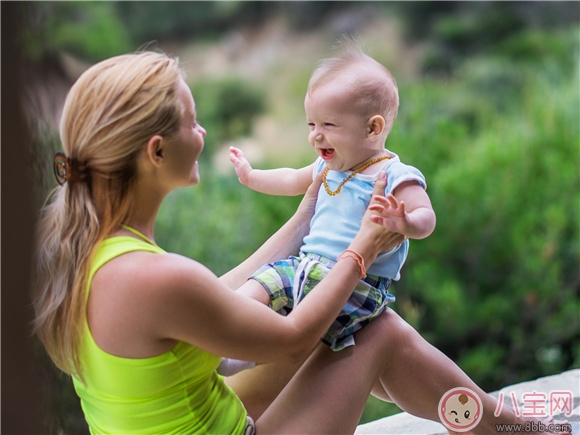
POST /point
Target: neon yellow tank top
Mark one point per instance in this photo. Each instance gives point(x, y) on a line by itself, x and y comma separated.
point(178, 392)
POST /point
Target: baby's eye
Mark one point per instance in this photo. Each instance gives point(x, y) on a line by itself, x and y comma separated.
point(311, 125)
point(328, 124)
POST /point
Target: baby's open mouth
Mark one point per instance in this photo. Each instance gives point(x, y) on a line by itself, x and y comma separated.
point(327, 153)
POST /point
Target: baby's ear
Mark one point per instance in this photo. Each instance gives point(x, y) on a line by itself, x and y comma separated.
point(375, 127)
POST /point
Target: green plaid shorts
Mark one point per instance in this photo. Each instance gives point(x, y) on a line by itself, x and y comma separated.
point(289, 281)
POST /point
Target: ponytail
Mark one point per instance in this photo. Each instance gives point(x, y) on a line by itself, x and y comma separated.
point(111, 112)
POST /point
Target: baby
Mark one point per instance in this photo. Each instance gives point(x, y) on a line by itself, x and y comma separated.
point(351, 104)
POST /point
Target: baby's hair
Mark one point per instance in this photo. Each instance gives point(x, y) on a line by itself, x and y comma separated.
point(374, 88)
point(463, 399)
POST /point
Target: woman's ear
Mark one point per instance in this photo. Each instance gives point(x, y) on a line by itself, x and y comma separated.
point(156, 149)
point(375, 127)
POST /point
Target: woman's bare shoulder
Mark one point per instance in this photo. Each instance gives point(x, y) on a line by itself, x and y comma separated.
point(132, 295)
point(149, 269)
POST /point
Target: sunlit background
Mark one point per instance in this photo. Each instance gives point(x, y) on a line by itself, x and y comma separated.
point(489, 112)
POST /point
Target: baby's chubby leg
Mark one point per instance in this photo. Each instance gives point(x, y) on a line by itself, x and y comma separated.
point(254, 290)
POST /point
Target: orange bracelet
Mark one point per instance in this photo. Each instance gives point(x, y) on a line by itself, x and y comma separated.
point(349, 253)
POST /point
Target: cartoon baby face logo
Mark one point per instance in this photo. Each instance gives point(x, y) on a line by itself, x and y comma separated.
point(460, 409)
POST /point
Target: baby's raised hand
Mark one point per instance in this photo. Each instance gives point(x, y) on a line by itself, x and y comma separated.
point(241, 165)
point(391, 215)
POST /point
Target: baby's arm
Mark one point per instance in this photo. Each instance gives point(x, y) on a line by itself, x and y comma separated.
point(281, 181)
point(408, 211)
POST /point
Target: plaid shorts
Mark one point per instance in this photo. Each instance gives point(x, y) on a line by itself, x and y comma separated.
point(289, 281)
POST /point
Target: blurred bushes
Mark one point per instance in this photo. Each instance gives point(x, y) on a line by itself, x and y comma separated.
point(95, 30)
point(497, 284)
point(227, 108)
point(454, 31)
point(91, 30)
point(220, 222)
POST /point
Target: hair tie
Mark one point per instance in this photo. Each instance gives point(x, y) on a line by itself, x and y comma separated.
point(67, 169)
point(349, 253)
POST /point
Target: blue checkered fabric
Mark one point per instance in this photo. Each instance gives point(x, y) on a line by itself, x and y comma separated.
point(289, 281)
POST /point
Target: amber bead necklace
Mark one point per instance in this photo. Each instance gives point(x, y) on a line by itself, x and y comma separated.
point(352, 174)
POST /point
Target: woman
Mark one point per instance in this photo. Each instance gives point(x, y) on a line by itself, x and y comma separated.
point(139, 329)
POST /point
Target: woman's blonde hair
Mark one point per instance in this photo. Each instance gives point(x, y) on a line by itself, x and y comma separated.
point(373, 87)
point(109, 115)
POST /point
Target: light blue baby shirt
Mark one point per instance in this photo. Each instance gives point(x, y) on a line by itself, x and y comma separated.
point(337, 218)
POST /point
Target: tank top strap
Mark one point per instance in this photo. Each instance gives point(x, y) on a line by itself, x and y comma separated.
point(137, 233)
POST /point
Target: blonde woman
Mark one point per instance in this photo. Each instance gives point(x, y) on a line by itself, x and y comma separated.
point(141, 330)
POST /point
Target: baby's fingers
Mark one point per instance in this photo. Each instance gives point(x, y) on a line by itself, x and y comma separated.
point(392, 201)
point(236, 151)
point(379, 200)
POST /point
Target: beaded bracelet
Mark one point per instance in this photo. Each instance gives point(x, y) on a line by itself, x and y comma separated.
point(349, 253)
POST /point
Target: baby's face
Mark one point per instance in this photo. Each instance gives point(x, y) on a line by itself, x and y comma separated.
point(338, 133)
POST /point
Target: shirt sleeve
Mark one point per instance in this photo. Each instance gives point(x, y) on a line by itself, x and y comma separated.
point(398, 173)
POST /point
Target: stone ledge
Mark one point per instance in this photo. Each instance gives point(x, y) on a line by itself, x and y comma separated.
point(406, 424)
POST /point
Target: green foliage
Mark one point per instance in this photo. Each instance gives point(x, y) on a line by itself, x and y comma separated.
point(153, 20)
point(226, 108)
point(90, 30)
point(220, 222)
point(455, 31)
point(498, 280)
point(376, 409)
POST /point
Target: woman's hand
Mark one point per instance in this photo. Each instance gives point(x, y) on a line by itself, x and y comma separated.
point(373, 238)
point(307, 206)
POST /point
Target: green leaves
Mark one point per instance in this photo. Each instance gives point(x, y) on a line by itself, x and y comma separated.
point(498, 280)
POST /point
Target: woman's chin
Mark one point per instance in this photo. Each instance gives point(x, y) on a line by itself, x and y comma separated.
point(194, 181)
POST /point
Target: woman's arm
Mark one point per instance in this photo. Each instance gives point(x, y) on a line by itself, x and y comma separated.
point(286, 241)
point(195, 308)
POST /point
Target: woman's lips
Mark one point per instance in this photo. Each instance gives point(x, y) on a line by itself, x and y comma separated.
point(326, 153)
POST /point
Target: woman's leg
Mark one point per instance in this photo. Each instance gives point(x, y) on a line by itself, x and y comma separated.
point(417, 375)
point(257, 388)
point(329, 392)
point(326, 396)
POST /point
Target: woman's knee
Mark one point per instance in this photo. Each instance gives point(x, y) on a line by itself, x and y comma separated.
point(384, 338)
point(397, 330)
